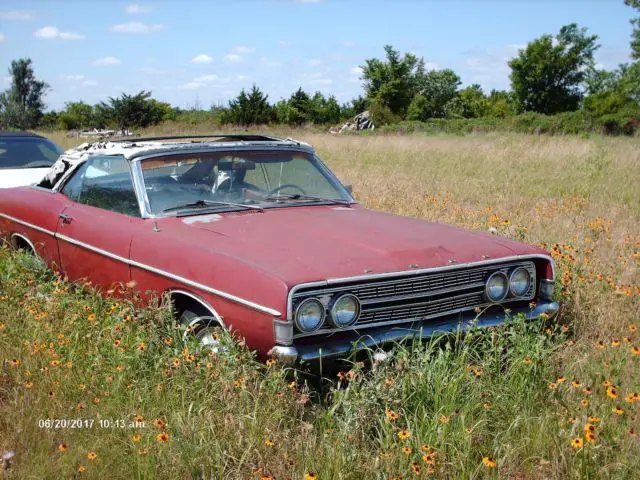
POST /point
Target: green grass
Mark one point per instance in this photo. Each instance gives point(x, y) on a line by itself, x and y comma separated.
point(494, 393)
point(73, 354)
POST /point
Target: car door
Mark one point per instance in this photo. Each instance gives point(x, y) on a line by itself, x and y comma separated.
point(95, 227)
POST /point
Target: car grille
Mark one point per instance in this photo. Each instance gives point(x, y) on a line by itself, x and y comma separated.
point(416, 297)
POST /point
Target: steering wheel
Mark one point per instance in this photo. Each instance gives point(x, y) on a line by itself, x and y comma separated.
point(37, 164)
point(286, 185)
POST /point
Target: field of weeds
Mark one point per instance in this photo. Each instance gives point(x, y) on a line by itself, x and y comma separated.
point(536, 400)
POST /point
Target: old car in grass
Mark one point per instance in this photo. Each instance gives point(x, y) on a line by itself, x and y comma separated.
point(255, 234)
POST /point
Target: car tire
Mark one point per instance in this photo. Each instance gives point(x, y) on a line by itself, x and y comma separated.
point(205, 329)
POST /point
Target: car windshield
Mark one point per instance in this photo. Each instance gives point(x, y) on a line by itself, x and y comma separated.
point(27, 152)
point(240, 180)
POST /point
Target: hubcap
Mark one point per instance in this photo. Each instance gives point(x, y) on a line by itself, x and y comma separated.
point(208, 338)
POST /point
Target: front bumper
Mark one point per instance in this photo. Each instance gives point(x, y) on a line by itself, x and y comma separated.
point(376, 337)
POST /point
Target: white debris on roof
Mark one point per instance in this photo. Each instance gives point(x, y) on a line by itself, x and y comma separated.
point(75, 156)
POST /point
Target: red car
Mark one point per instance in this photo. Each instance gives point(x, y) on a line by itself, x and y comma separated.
point(256, 234)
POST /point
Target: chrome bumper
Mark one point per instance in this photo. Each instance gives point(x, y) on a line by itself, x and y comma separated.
point(374, 337)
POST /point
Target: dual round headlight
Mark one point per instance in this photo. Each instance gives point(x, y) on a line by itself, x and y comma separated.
point(343, 312)
point(499, 285)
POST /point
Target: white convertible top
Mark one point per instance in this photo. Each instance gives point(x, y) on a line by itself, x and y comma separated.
point(70, 159)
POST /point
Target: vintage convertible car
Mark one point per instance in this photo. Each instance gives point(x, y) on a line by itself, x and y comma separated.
point(255, 234)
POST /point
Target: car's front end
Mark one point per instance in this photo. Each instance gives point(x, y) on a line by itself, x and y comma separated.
point(334, 318)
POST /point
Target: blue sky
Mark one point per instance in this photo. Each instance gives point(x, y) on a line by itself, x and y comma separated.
point(204, 52)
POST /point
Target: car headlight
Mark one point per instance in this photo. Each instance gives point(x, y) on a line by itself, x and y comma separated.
point(497, 287)
point(309, 315)
point(519, 282)
point(345, 310)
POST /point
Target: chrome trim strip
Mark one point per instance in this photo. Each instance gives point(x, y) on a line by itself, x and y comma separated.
point(27, 224)
point(31, 245)
point(407, 273)
point(166, 274)
point(201, 302)
point(133, 263)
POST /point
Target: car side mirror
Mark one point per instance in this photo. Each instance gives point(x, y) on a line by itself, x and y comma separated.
point(349, 189)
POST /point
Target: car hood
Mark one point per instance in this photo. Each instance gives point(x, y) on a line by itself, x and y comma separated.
point(302, 244)
point(21, 177)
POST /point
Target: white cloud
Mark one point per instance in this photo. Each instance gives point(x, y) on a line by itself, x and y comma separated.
point(89, 83)
point(202, 58)
point(52, 33)
point(269, 63)
point(348, 44)
point(284, 43)
point(242, 50)
point(203, 80)
point(136, 8)
point(314, 62)
point(191, 86)
point(6, 80)
point(489, 68)
point(431, 66)
point(233, 57)
point(1, 37)
point(242, 78)
point(137, 27)
point(72, 78)
point(355, 71)
point(16, 15)
point(206, 78)
point(107, 61)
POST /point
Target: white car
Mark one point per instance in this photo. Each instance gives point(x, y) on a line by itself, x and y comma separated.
point(25, 158)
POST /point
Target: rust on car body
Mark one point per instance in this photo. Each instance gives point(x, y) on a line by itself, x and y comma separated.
point(261, 234)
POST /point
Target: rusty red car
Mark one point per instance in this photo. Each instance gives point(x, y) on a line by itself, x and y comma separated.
point(255, 234)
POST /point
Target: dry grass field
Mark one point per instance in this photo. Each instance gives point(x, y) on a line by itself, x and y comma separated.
point(562, 402)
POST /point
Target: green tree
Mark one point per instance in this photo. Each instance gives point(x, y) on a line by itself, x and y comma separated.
point(22, 106)
point(324, 110)
point(614, 92)
point(436, 88)
point(76, 115)
point(393, 83)
point(300, 104)
point(475, 103)
point(131, 111)
point(354, 107)
point(547, 76)
point(502, 104)
point(248, 109)
point(50, 120)
point(635, 35)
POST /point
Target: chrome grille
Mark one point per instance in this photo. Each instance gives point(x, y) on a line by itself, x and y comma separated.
point(434, 308)
point(416, 297)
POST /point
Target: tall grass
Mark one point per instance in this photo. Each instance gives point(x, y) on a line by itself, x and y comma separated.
point(535, 398)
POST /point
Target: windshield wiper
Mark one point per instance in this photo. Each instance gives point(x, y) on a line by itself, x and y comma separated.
point(210, 203)
point(299, 196)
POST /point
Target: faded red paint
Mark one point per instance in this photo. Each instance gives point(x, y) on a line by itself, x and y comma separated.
point(255, 256)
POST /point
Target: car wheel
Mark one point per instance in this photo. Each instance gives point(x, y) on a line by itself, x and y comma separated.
point(206, 330)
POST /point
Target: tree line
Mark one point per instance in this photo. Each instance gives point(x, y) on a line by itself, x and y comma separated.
point(553, 79)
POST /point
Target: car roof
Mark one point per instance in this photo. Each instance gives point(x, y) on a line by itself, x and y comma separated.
point(132, 148)
point(9, 133)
